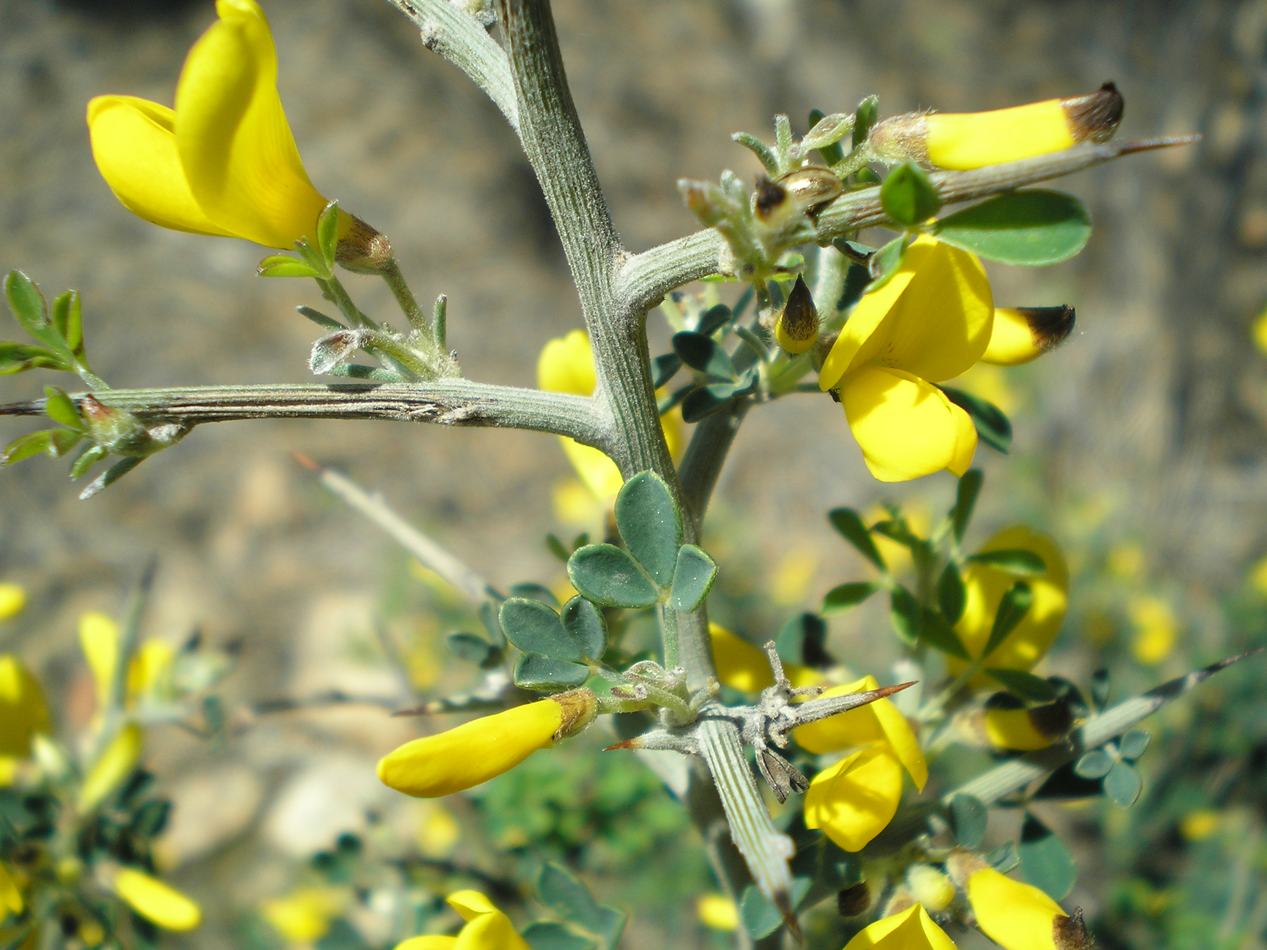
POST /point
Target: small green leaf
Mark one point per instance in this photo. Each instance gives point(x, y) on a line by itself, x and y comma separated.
point(864, 117)
point(906, 615)
point(951, 593)
point(692, 578)
point(26, 303)
point(885, 262)
point(1123, 784)
point(1031, 227)
point(87, 459)
point(1012, 610)
point(68, 317)
point(320, 319)
point(471, 647)
point(533, 591)
point(1003, 858)
point(59, 407)
point(966, 493)
point(992, 423)
point(941, 636)
point(1133, 745)
point(842, 598)
point(663, 367)
point(1012, 560)
point(759, 915)
point(109, 477)
point(706, 400)
point(1094, 764)
point(826, 130)
point(63, 441)
point(650, 525)
point(713, 319)
point(908, 196)
point(704, 354)
point(850, 526)
point(544, 674)
point(1045, 861)
point(328, 232)
point(571, 900)
point(283, 265)
point(1024, 685)
point(968, 820)
point(28, 446)
point(609, 577)
point(534, 627)
point(552, 935)
point(19, 357)
point(831, 152)
point(765, 155)
point(584, 626)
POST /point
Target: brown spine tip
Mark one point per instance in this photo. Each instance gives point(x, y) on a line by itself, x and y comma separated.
point(1096, 115)
point(1049, 325)
point(769, 197)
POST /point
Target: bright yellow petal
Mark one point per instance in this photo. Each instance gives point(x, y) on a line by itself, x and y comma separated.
point(150, 667)
point(23, 708)
point(906, 427)
point(234, 142)
point(855, 799)
point(745, 667)
point(11, 901)
point(1022, 334)
point(156, 901)
point(487, 928)
point(566, 365)
point(599, 473)
point(910, 929)
point(984, 588)
point(1014, 729)
point(1016, 916)
point(976, 139)
point(304, 915)
point(471, 753)
point(112, 767)
point(135, 151)
point(12, 600)
point(427, 943)
point(99, 639)
point(864, 318)
point(717, 912)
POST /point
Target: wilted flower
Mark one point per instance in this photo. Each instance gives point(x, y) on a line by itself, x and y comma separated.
point(486, 928)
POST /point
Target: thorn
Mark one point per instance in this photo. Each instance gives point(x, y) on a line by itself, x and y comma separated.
point(626, 744)
point(1165, 141)
point(426, 709)
point(305, 460)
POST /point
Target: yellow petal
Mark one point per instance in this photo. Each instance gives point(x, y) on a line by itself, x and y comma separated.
point(23, 708)
point(932, 318)
point(427, 943)
point(234, 142)
point(906, 427)
point(910, 929)
point(1014, 729)
point(487, 928)
point(156, 901)
point(99, 639)
point(304, 915)
point(877, 722)
point(12, 600)
point(976, 139)
point(598, 473)
point(471, 753)
point(984, 588)
point(135, 151)
point(1022, 334)
point(717, 912)
point(1016, 916)
point(1156, 629)
point(855, 799)
point(112, 767)
point(745, 667)
point(11, 901)
point(150, 667)
point(566, 365)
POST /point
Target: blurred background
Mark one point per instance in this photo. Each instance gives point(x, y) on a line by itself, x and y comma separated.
point(1139, 444)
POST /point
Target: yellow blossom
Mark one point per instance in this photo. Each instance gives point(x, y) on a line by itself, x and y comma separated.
point(148, 670)
point(1016, 916)
point(112, 766)
point(1156, 628)
point(11, 901)
point(1017, 729)
point(1199, 824)
point(717, 912)
point(304, 915)
point(486, 928)
point(484, 748)
point(745, 667)
point(12, 600)
point(156, 901)
point(984, 589)
point(928, 323)
point(1022, 334)
point(224, 161)
point(23, 714)
point(910, 929)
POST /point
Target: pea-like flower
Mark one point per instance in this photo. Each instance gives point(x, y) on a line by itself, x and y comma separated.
point(1019, 916)
point(910, 929)
point(853, 800)
point(157, 901)
point(486, 928)
point(928, 323)
point(744, 667)
point(484, 748)
point(23, 715)
point(224, 161)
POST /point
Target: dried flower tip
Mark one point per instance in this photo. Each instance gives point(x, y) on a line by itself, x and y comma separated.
point(1021, 334)
point(1020, 729)
point(362, 248)
point(1070, 933)
point(797, 326)
point(853, 901)
point(961, 865)
point(769, 200)
point(1096, 115)
point(812, 187)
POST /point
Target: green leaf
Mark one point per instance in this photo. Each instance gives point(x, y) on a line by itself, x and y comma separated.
point(1045, 861)
point(19, 357)
point(609, 577)
point(26, 303)
point(87, 459)
point(320, 319)
point(704, 354)
point(884, 262)
point(650, 525)
point(1133, 745)
point(59, 407)
point(471, 647)
point(534, 627)
point(534, 591)
point(706, 400)
point(968, 817)
point(109, 477)
point(328, 232)
point(1013, 607)
point(692, 578)
point(759, 915)
point(941, 636)
point(906, 615)
point(992, 424)
point(1123, 784)
point(552, 935)
point(663, 367)
point(951, 593)
point(842, 598)
point(864, 118)
point(68, 317)
point(1024, 685)
point(1003, 858)
point(908, 195)
point(1032, 227)
point(571, 900)
point(831, 152)
point(1012, 560)
point(848, 523)
point(283, 265)
point(1094, 764)
point(544, 674)
point(584, 626)
point(28, 446)
point(966, 493)
point(713, 319)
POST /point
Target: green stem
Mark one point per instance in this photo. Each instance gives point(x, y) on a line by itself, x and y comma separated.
point(395, 280)
point(337, 294)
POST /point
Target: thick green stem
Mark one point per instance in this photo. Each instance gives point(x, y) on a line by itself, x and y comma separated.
point(395, 280)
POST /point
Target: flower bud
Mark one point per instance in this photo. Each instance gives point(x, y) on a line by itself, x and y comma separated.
point(930, 887)
point(1021, 334)
point(362, 248)
point(797, 326)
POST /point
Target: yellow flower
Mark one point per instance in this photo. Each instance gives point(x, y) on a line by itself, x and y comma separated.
point(930, 886)
point(23, 715)
point(224, 161)
point(717, 912)
point(1022, 334)
point(1156, 629)
point(486, 928)
point(744, 667)
point(928, 323)
point(484, 748)
point(984, 589)
point(566, 365)
point(156, 901)
point(112, 767)
point(11, 901)
point(976, 139)
point(304, 915)
point(911, 929)
point(12, 600)
point(148, 670)
point(1021, 729)
point(1016, 916)
point(853, 800)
